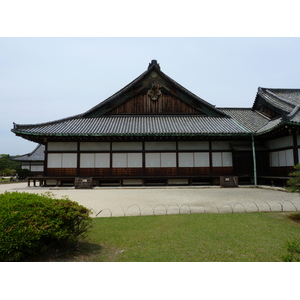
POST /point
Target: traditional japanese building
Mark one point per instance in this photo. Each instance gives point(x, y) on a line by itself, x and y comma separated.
point(154, 131)
point(33, 161)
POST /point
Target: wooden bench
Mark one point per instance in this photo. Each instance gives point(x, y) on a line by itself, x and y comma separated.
point(273, 179)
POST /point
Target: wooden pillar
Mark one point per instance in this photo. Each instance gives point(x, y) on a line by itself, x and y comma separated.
point(210, 158)
point(143, 160)
point(295, 148)
point(78, 159)
point(46, 159)
point(254, 161)
point(177, 159)
point(110, 157)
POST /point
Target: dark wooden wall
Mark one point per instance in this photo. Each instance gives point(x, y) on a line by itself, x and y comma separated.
point(165, 104)
point(133, 172)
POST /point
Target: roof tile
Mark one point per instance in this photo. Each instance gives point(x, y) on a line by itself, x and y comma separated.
point(136, 125)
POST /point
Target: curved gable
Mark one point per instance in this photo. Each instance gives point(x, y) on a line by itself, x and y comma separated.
point(153, 92)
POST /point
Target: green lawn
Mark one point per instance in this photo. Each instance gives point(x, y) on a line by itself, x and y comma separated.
point(4, 180)
point(239, 237)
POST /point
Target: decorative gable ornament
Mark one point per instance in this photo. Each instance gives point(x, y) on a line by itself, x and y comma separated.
point(154, 92)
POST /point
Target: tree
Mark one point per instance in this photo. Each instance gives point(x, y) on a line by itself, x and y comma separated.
point(294, 182)
point(7, 164)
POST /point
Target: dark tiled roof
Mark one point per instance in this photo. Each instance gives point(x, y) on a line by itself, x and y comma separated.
point(218, 121)
point(36, 155)
point(136, 125)
point(270, 125)
point(295, 119)
point(116, 99)
point(286, 102)
point(248, 118)
point(283, 99)
point(294, 116)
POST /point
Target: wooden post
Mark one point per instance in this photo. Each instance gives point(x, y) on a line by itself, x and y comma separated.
point(254, 161)
point(210, 159)
point(46, 159)
point(78, 159)
point(295, 149)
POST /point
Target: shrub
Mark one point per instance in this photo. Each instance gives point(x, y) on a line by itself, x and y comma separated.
point(293, 249)
point(294, 182)
point(31, 223)
point(23, 173)
point(295, 217)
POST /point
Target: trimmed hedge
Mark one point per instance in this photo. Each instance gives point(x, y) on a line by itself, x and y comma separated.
point(31, 223)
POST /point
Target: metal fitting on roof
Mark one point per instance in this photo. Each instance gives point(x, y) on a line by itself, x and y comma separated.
point(154, 63)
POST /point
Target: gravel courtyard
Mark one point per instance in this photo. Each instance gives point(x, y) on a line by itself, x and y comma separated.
point(134, 201)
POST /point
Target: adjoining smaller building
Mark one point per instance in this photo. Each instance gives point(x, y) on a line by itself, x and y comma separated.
point(33, 161)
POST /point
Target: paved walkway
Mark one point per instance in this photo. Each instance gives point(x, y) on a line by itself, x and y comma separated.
point(132, 201)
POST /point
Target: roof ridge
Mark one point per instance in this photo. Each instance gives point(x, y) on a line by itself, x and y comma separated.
point(292, 113)
point(191, 93)
point(158, 116)
point(19, 157)
point(152, 66)
point(118, 92)
point(36, 148)
point(46, 123)
point(86, 112)
point(279, 98)
point(240, 125)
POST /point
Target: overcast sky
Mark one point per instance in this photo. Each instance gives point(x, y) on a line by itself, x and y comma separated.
point(45, 79)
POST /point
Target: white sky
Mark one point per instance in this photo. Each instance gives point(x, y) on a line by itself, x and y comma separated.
point(45, 77)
